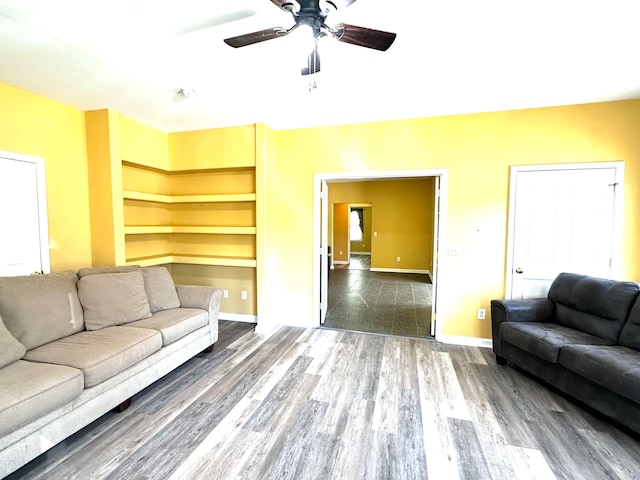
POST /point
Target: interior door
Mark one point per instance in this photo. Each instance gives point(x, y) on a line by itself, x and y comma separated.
point(563, 220)
point(436, 243)
point(325, 263)
point(24, 243)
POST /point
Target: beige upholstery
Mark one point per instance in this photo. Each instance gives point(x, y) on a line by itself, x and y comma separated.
point(174, 324)
point(83, 272)
point(11, 350)
point(29, 390)
point(39, 309)
point(113, 299)
point(161, 291)
point(100, 354)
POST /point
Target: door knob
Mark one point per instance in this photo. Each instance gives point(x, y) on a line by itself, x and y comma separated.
point(519, 270)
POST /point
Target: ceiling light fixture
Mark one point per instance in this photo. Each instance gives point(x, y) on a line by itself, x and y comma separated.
point(187, 92)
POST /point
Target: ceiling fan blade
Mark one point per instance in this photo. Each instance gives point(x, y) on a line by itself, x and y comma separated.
point(313, 63)
point(340, 4)
point(256, 37)
point(364, 37)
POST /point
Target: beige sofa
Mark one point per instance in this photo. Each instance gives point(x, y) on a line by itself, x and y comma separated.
point(74, 345)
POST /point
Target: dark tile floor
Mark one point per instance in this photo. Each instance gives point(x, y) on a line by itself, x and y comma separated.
point(379, 302)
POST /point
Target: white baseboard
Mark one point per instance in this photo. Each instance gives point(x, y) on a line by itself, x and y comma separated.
point(401, 270)
point(361, 253)
point(340, 262)
point(238, 317)
point(467, 341)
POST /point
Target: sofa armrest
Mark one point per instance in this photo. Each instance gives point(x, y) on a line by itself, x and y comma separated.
point(524, 310)
point(205, 298)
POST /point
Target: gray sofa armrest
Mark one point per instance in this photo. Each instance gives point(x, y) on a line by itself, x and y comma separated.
point(205, 298)
point(524, 310)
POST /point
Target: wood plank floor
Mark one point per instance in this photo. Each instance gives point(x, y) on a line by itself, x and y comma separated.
point(322, 404)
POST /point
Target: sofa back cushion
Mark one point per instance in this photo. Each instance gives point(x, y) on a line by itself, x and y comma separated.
point(161, 291)
point(11, 350)
point(83, 272)
point(630, 335)
point(112, 299)
point(593, 305)
point(39, 309)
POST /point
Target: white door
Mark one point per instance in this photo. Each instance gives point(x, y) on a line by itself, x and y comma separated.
point(562, 219)
point(436, 244)
point(24, 241)
point(324, 257)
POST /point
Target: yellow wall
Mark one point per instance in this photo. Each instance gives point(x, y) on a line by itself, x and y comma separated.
point(477, 151)
point(34, 125)
point(142, 144)
point(340, 243)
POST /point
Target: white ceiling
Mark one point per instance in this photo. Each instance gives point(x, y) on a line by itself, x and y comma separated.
point(450, 57)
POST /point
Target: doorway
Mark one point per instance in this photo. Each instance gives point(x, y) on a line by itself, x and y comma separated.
point(438, 217)
point(23, 212)
point(562, 218)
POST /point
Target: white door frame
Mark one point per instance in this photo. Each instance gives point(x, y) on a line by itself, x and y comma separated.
point(318, 178)
point(617, 215)
point(43, 222)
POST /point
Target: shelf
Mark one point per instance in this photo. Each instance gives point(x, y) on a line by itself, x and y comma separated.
point(152, 229)
point(193, 260)
point(218, 198)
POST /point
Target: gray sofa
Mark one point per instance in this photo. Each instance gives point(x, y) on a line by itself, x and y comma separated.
point(75, 345)
point(584, 339)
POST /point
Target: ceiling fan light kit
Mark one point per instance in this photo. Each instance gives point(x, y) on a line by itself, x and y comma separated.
point(311, 15)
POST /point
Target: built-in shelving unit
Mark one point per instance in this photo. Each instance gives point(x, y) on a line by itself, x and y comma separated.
point(198, 217)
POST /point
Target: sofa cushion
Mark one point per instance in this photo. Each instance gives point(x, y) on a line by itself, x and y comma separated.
point(11, 350)
point(113, 299)
point(630, 335)
point(161, 291)
point(56, 313)
point(614, 367)
point(594, 305)
point(83, 272)
point(30, 390)
point(545, 340)
point(100, 354)
point(174, 324)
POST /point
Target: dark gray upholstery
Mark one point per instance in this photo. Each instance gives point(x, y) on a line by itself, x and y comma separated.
point(584, 339)
point(616, 368)
point(593, 305)
point(545, 340)
point(630, 335)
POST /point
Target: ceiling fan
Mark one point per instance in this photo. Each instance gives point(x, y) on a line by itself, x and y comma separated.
point(310, 15)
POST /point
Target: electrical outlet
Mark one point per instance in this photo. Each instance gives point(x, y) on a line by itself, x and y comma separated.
point(482, 313)
point(397, 259)
point(340, 252)
point(244, 294)
point(225, 293)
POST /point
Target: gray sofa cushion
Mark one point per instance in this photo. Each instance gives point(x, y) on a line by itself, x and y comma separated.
point(100, 354)
point(30, 390)
point(161, 291)
point(113, 299)
point(616, 368)
point(593, 305)
point(630, 335)
point(545, 340)
point(11, 350)
point(56, 314)
point(83, 272)
point(174, 324)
